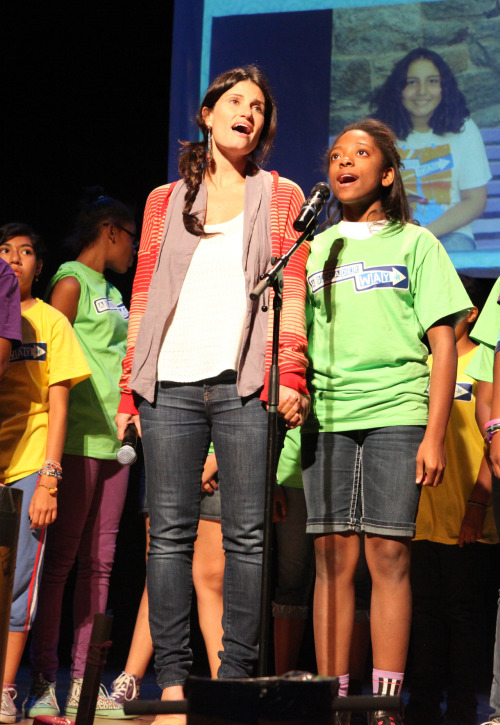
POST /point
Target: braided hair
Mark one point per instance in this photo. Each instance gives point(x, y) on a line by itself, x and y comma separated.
point(192, 159)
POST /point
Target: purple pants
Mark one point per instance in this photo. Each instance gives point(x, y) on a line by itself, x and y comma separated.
point(90, 504)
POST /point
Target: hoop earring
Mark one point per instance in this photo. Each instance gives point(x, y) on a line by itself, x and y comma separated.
point(208, 154)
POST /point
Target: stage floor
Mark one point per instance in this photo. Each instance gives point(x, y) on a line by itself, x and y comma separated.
point(150, 691)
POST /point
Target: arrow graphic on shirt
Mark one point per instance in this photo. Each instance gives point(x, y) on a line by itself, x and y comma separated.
point(380, 277)
point(429, 167)
point(397, 276)
point(29, 351)
point(463, 391)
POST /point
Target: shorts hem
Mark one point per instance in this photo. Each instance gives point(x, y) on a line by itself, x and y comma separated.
point(20, 627)
point(377, 530)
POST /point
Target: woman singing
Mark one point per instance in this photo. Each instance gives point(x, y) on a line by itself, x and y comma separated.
point(200, 350)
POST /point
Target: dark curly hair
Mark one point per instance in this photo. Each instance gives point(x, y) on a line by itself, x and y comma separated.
point(449, 116)
point(20, 229)
point(96, 207)
point(393, 198)
point(192, 157)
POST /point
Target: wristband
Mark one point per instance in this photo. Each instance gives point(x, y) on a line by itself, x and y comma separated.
point(494, 421)
point(492, 427)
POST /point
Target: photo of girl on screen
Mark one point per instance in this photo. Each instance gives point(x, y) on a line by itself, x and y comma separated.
point(445, 164)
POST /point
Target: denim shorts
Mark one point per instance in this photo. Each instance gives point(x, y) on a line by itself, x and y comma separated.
point(362, 480)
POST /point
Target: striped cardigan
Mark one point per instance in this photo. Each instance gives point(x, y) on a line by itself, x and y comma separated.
point(286, 200)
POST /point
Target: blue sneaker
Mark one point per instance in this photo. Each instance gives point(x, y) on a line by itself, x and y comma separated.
point(41, 699)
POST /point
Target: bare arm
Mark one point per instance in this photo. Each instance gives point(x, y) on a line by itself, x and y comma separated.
point(431, 458)
point(5, 350)
point(484, 400)
point(495, 413)
point(472, 525)
point(43, 506)
point(65, 297)
point(471, 205)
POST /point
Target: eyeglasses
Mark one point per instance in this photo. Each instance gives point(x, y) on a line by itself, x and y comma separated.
point(133, 236)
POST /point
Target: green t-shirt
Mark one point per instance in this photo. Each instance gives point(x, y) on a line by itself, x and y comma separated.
point(370, 301)
point(101, 328)
point(485, 332)
point(289, 466)
point(488, 323)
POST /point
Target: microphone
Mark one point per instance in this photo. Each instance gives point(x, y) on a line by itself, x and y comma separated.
point(320, 193)
point(126, 455)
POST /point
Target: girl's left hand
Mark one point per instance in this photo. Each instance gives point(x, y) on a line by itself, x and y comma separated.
point(431, 462)
point(43, 506)
point(472, 524)
point(209, 475)
point(293, 406)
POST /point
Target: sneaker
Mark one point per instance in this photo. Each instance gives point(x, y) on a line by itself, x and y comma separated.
point(8, 712)
point(125, 688)
point(41, 699)
point(492, 721)
point(382, 717)
point(105, 707)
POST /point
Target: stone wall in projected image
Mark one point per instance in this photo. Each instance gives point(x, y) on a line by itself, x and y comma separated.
point(366, 42)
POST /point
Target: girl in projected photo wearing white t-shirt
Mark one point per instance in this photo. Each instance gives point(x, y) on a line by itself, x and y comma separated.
point(445, 165)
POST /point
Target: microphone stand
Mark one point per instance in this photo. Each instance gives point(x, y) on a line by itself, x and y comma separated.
point(274, 279)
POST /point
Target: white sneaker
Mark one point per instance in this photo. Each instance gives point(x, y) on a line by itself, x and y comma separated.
point(105, 707)
point(125, 688)
point(8, 712)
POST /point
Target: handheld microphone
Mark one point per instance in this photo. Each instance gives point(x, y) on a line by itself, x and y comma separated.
point(127, 455)
point(320, 193)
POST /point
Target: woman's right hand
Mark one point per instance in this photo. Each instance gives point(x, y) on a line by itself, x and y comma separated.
point(122, 420)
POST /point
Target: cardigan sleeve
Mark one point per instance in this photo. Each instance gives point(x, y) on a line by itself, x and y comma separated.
point(154, 219)
point(287, 198)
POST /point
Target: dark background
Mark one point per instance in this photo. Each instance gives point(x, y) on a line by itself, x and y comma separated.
point(85, 89)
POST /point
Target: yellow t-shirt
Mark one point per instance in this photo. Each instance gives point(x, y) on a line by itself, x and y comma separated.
point(49, 354)
point(442, 509)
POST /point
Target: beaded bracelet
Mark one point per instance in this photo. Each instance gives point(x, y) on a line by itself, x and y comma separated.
point(50, 489)
point(51, 468)
point(57, 465)
point(50, 472)
point(491, 432)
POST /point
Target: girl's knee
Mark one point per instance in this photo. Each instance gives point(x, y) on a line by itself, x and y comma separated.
point(336, 555)
point(388, 558)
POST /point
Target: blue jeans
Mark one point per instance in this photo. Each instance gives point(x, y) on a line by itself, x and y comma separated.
point(176, 432)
